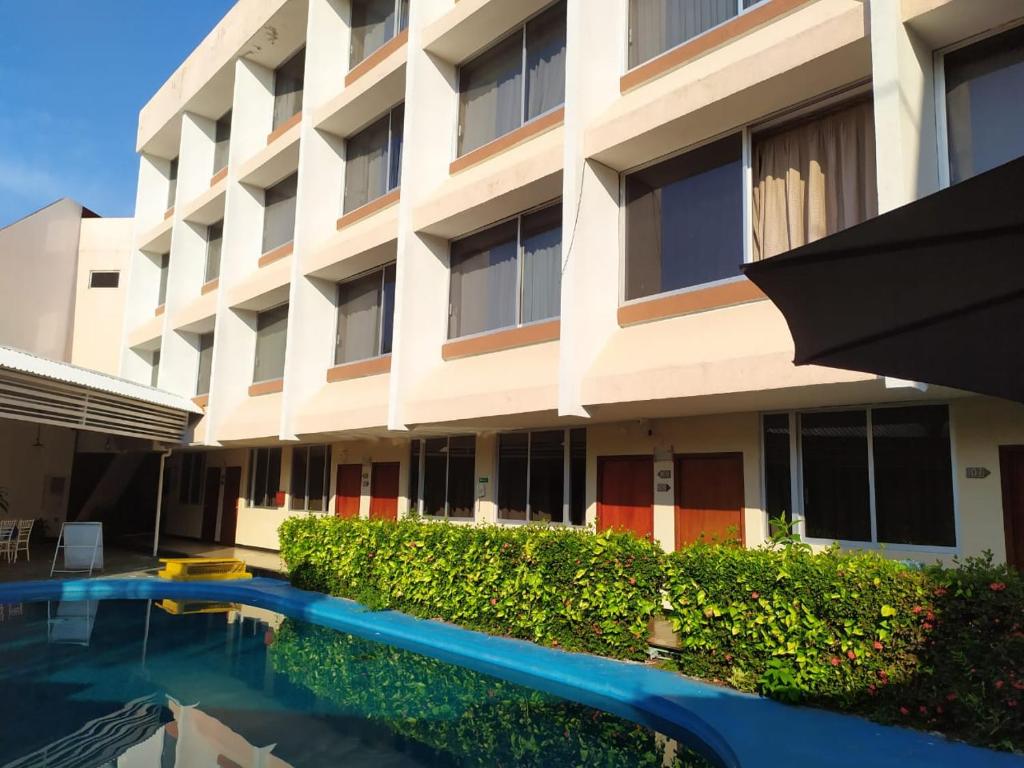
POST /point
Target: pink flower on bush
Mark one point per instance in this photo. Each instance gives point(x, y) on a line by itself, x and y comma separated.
point(1011, 703)
point(939, 592)
point(754, 595)
point(923, 709)
point(851, 655)
point(916, 609)
point(632, 581)
point(904, 711)
point(494, 601)
point(872, 689)
point(999, 684)
point(951, 696)
point(926, 627)
point(877, 645)
point(997, 586)
point(836, 661)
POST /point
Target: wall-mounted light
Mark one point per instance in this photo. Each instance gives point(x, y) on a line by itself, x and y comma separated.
point(39, 431)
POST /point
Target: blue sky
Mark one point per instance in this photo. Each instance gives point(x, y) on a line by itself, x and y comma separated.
point(73, 76)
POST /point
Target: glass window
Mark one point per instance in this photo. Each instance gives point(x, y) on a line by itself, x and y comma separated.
point(513, 475)
point(495, 96)
point(366, 307)
point(205, 363)
point(684, 220)
point(214, 244)
point(984, 124)
point(492, 287)
point(531, 475)
point(578, 476)
point(279, 213)
point(813, 179)
point(222, 142)
point(373, 160)
point(104, 279)
point(193, 471)
point(374, 23)
point(414, 476)
point(449, 476)
point(288, 85)
point(311, 467)
point(271, 333)
point(896, 488)
point(656, 26)
point(265, 477)
point(165, 263)
point(172, 182)
point(154, 368)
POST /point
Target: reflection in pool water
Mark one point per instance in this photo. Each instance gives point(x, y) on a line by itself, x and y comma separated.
point(165, 683)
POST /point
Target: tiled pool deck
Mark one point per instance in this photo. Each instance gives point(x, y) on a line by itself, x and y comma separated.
point(743, 730)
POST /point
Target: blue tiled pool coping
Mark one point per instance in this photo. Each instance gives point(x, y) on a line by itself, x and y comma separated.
point(740, 729)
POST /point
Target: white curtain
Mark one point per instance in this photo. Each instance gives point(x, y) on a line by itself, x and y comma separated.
point(657, 25)
point(366, 165)
point(271, 331)
point(545, 62)
point(279, 213)
point(288, 87)
point(483, 282)
point(373, 24)
point(359, 319)
point(813, 180)
point(491, 92)
point(542, 264)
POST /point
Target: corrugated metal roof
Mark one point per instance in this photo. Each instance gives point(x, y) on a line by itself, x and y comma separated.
point(25, 362)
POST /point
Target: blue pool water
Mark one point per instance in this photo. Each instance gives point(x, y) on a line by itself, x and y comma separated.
point(139, 683)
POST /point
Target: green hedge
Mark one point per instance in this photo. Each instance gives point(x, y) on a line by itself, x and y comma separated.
point(473, 719)
point(935, 648)
point(553, 586)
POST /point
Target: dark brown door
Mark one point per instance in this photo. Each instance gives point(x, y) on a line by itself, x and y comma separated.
point(346, 503)
point(210, 498)
point(229, 506)
point(1011, 467)
point(709, 498)
point(625, 494)
point(384, 491)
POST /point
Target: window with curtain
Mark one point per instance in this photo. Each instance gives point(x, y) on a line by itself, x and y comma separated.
point(214, 244)
point(656, 26)
point(508, 274)
point(288, 87)
point(154, 368)
point(222, 142)
point(193, 471)
point(813, 179)
point(205, 363)
point(271, 332)
point(264, 477)
point(684, 220)
point(374, 22)
point(531, 475)
point(373, 160)
point(877, 475)
point(514, 81)
point(366, 309)
point(984, 124)
point(447, 466)
point(279, 213)
point(165, 265)
point(172, 182)
point(311, 484)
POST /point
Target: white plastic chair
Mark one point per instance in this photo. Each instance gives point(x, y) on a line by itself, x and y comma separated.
point(7, 540)
point(21, 544)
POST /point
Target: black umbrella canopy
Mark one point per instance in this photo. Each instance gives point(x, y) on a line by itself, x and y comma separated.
point(932, 291)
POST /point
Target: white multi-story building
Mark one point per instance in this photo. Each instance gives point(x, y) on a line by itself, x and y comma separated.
point(480, 259)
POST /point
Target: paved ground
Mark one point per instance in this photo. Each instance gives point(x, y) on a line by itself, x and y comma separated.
point(131, 558)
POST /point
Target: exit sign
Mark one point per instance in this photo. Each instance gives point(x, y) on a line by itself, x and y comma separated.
point(978, 473)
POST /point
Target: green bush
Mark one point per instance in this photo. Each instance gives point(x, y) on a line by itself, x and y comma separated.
point(473, 719)
point(561, 587)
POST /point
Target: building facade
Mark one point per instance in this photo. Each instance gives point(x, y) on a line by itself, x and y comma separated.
point(480, 260)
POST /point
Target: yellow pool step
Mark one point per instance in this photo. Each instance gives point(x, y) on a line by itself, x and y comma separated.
point(183, 608)
point(203, 569)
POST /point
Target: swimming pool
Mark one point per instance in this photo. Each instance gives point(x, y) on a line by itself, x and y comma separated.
point(182, 683)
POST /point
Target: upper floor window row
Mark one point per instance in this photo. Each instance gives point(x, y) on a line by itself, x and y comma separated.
point(373, 160)
point(519, 79)
point(374, 22)
point(656, 26)
point(289, 80)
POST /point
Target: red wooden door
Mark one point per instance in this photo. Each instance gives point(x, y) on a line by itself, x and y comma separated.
point(1011, 467)
point(709, 498)
point(211, 495)
point(229, 506)
point(384, 491)
point(349, 489)
point(625, 494)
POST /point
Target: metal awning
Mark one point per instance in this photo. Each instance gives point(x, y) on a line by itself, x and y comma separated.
point(931, 292)
point(43, 391)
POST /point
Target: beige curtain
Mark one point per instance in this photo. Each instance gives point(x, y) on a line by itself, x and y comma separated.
point(813, 180)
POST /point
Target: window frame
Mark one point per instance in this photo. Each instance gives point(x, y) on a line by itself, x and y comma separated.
point(199, 366)
point(566, 521)
point(380, 315)
point(521, 31)
point(255, 356)
point(416, 504)
point(326, 499)
point(939, 92)
point(628, 37)
point(207, 277)
point(401, 24)
point(267, 207)
point(94, 272)
point(251, 480)
point(796, 479)
point(518, 218)
point(300, 51)
point(388, 158)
